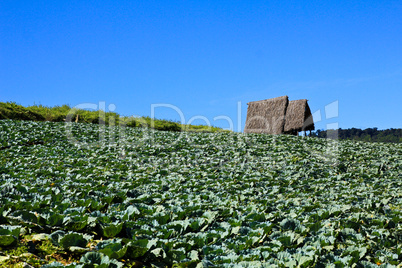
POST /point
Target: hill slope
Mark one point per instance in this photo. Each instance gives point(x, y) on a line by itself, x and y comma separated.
point(13, 111)
point(160, 198)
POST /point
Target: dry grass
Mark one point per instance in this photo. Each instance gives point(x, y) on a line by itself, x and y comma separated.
point(278, 116)
point(266, 116)
point(298, 117)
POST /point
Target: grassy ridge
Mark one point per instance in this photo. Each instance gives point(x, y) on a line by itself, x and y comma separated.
point(11, 110)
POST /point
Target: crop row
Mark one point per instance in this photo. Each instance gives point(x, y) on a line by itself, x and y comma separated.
point(223, 199)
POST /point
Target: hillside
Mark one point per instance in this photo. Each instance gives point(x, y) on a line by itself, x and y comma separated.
point(13, 111)
point(78, 195)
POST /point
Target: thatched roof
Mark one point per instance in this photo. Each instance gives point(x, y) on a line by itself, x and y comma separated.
point(298, 117)
point(278, 115)
point(266, 116)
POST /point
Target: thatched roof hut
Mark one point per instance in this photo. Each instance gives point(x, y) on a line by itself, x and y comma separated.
point(278, 116)
point(266, 116)
point(298, 117)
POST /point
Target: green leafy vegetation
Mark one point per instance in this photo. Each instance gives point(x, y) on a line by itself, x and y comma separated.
point(10, 110)
point(182, 199)
point(393, 135)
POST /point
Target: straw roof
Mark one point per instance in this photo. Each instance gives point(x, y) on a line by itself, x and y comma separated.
point(278, 116)
point(266, 116)
point(298, 117)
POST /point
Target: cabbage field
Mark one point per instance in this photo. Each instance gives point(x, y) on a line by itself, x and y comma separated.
point(113, 197)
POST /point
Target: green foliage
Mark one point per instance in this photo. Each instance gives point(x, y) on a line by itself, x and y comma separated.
point(33, 252)
point(187, 199)
point(393, 135)
point(7, 240)
point(65, 113)
point(73, 240)
point(11, 110)
point(96, 259)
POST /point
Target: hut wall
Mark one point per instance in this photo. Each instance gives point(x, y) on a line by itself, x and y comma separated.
point(295, 114)
point(266, 116)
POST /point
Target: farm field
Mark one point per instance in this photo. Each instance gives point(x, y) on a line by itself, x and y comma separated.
point(136, 197)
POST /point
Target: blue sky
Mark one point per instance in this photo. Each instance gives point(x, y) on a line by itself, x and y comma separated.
point(206, 57)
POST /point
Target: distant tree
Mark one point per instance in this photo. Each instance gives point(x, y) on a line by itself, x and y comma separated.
point(393, 135)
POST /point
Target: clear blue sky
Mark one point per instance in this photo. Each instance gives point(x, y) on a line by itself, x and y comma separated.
point(206, 56)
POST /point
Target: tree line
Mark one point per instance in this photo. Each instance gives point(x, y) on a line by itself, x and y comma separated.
point(393, 135)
